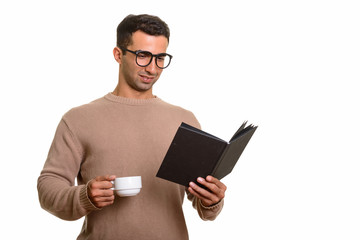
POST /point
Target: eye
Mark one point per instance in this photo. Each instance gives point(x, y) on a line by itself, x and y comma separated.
point(143, 55)
point(161, 57)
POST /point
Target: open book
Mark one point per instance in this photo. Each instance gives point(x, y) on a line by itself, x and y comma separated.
point(194, 153)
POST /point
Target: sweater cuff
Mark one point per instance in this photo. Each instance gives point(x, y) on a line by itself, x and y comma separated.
point(212, 207)
point(209, 213)
point(85, 200)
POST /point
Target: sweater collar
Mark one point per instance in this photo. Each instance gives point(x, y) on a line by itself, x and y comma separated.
point(131, 101)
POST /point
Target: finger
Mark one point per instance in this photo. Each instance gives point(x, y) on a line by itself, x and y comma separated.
point(220, 188)
point(98, 193)
point(196, 194)
point(100, 185)
point(216, 181)
point(103, 202)
point(110, 177)
point(103, 182)
point(106, 193)
point(204, 201)
point(216, 193)
point(104, 199)
point(211, 186)
point(200, 192)
point(105, 178)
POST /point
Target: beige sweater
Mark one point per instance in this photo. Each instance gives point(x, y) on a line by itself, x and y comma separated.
point(123, 137)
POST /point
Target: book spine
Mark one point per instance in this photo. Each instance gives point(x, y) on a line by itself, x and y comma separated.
point(214, 172)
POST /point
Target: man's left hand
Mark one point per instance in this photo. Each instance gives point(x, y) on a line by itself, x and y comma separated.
point(214, 194)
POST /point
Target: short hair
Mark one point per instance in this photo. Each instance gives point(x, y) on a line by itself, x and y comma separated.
point(149, 24)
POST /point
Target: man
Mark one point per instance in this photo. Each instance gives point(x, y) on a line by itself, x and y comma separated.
point(125, 133)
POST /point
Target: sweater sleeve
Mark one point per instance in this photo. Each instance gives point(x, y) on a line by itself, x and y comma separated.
point(57, 193)
point(205, 213)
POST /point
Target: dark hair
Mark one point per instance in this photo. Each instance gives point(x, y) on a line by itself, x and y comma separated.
point(149, 24)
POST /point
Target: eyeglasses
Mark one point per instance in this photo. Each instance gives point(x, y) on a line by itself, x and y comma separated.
point(144, 58)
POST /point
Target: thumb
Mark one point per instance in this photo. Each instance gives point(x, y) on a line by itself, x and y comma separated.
point(110, 177)
point(105, 178)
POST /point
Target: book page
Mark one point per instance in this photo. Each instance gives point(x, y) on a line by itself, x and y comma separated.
point(191, 128)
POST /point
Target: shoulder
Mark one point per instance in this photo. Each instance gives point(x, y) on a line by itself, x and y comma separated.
point(186, 115)
point(86, 111)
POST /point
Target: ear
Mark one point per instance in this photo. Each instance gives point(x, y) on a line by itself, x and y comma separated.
point(117, 54)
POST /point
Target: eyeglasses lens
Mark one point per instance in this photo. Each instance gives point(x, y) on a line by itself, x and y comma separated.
point(163, 60)
point(144, 59)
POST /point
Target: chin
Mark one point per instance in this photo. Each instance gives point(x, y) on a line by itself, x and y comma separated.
point(144, 86)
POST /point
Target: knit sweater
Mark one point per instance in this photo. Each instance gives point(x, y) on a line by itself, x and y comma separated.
point(124, 137)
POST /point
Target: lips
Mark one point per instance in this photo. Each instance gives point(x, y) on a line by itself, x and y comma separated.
point(146, 78)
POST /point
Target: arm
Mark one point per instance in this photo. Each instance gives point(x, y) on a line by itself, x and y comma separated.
point(57, 193)
point(208, 203)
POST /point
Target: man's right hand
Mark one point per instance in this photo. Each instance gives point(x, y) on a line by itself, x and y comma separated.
point(99, 191)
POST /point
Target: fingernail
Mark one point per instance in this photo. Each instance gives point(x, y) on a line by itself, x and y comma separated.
point(200, 179)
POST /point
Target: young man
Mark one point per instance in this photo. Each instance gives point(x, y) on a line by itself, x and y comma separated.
point(125, 133)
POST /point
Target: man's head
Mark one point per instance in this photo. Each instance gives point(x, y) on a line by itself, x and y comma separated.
point(142, 41)
point(149, 24)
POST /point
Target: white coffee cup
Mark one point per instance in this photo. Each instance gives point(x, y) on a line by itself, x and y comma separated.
point(127, 186)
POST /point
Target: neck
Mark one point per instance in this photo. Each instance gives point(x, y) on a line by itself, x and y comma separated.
point(131, 93)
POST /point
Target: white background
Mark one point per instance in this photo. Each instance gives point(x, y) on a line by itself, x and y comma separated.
point(291, 67)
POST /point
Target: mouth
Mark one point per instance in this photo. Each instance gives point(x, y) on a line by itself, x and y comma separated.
point(146, 78)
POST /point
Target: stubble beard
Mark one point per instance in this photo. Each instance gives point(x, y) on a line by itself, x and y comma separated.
point(139, 85)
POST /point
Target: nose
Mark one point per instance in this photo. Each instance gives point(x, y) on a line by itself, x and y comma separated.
point(151, 68)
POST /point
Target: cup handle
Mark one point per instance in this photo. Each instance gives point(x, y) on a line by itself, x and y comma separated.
point(113, 183)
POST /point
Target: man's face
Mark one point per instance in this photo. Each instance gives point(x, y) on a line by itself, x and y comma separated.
point(141, 79)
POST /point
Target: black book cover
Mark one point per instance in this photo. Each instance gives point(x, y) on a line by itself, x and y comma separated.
point(194, 153)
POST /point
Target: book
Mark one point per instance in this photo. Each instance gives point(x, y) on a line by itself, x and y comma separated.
point(194, 153)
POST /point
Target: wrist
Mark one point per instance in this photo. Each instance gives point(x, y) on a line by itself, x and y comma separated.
point(85, 201)
point(212, 206)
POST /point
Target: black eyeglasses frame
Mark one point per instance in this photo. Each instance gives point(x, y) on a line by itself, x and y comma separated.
point(137, 52)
